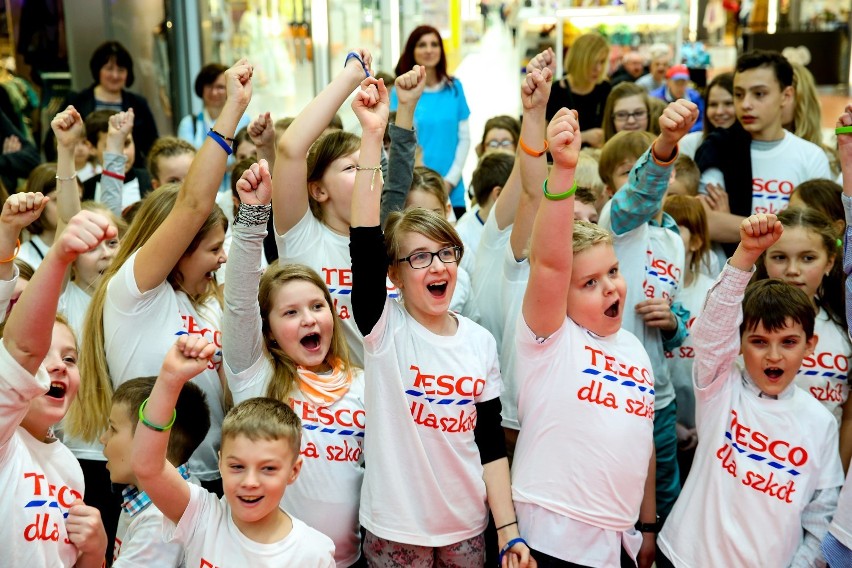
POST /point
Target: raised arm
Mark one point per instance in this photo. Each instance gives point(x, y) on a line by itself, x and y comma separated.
point(112, 178)
point(551, 250)
point(157, 477)
point(844, 150)
point(68, 128)
point(290, 174)
point(28, 331)
point(409, 87)
point(242, 340)
point(261, 131)
point(197, 196)
point(535, 92)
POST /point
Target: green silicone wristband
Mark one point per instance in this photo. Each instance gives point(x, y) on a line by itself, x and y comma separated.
point(154, 427)
point(843, 130)
point(559, 196)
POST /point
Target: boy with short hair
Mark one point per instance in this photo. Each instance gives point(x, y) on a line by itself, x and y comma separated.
point(169, 160)
point(110, 135)
point(138, 540)
point(619, 155)
point(259, 457)
point(779, 160)
point(767, 460)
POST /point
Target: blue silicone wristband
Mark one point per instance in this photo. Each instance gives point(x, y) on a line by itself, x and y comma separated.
point(354, 55)
point(225, 146)
point(508, 547)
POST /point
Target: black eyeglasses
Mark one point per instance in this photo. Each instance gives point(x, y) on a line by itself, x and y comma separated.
point(624, 116)
point(423, 259)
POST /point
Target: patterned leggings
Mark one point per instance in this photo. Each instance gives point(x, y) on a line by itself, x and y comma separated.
point(383, 553)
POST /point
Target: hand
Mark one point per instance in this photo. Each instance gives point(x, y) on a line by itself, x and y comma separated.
point(716, 198)
point(648, 552)
point(687, 438)
point(544, 60)
point(844, 141)
point(675, 122)
point(366, 57)
point(85, 529)
point(563, 138)
point(262, 132)
point(188, 357)
point(594, 137)
point(372, 105)
point(410, 85)
point(255, 185)
point(11, 144)
point(535, 90)
point(120, 127)
point(68, 128)
point(238, 83)
point(759, 232)
point(518, 557)
point(657, 312)
point(21, 209)
point(83, 233)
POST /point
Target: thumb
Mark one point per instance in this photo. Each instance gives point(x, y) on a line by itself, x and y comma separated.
point(546, 74)
point(265, 178)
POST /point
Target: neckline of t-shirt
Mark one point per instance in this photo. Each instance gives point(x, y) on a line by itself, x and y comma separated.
point(267, 548)
point(428, 334)
point(768, 145)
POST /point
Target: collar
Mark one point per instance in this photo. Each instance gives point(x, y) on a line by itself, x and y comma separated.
point(749, 384)
point(134, 500)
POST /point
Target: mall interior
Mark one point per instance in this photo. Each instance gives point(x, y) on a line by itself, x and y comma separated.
point(297, 45)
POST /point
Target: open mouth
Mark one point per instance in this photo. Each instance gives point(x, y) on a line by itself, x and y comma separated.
point(437, 289)
point(773, 373)
point(612, 311)
point(311, 341)
point(250, 500)
point(57, 390)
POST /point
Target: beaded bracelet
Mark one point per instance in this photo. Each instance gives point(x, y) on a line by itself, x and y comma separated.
point(843, 130)
point(220, 140)
point(376, 169)
point(559, 196)
point(69, 178)
point(508, 547)
point(353, 55)
point(154, 427)
point(252, 215)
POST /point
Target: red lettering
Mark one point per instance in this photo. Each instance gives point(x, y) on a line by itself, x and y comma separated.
point(40, 530)
point(826, 360)
point(37, 477)
point(768, 486)
point(757, 441)
point(447, 385)
point(66, 496)
point(772, 186)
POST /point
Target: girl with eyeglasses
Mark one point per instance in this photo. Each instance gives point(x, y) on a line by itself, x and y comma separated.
point(435, 443)
point(500, 134)
point(627, 108)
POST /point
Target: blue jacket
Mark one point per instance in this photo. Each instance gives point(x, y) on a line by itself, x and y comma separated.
point(663, 94)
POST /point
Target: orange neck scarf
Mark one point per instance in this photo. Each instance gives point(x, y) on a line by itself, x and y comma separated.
point(325, 390)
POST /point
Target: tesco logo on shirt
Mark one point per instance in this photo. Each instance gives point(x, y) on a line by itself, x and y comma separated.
point(826, 360)
point(755, 440)
point(772, 186)
point(345, 417)
point(446, 385)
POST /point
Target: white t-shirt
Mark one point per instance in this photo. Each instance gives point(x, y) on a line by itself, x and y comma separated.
point(487, 276)
point(470, 228)
point(823, 374)
point(689, 144)
point(40, 480)
point(586, 409)
point(757, 465)
point(313, 244)
point(462, 300)
point(681, 359)
point(328, 491)
point(211, 539)
point(423, 483)
point(514, 285)
point(776, 169)
point(73, 304)
point(139, 542)
point(33, 251)
point(140, 328)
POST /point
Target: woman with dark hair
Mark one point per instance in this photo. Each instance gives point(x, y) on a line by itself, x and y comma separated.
point(210, 88)
point(718, 113)
point(112, 71)
point(441, 118)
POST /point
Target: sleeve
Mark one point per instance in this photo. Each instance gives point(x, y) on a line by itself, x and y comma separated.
point(712, 175)
point(200, 509)
point(242, 332)
point(462, 148)
point(847, 259)
point(17, 389)
point(400, 170)
point(641, 198)
point(112, 188)
point(369, 276)
point(679, 335)
point(7, 290)
point(123, 292)
point(815, 519)
point(838, 542)
point(488, 432)
point(145, 547)
point(715, 333)
point(835, 552)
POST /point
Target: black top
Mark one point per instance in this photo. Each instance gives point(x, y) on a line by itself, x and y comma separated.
point(590, 107)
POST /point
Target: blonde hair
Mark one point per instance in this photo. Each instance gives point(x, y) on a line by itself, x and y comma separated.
point(626, 145)
point(284, 369)
point(586, 235)
point(586, 175)
point(807, 113)
point(423, 222)
point(687, 211)
point(328, 148)
point(87, 417)
point(167, 147)
point(582, 55)
point(429, 181)
point(264, 419)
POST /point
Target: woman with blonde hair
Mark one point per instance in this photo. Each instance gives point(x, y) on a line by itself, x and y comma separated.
point(585, 86)
point(803, 117)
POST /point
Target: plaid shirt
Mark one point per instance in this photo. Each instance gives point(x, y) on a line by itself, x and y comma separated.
point(135, 500)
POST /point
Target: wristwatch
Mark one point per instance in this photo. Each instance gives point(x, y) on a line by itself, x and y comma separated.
point(649, 527)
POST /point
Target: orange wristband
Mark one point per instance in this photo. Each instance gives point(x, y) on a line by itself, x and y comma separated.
point(14, 254)
point(530, 151)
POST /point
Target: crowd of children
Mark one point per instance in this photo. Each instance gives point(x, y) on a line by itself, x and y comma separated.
point(323, 367)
